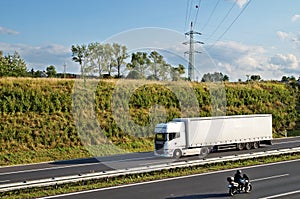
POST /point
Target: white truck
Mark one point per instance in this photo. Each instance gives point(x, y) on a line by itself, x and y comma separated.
point(199, 136)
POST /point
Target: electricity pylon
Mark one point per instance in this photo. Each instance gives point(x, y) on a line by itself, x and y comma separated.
point(191, 52)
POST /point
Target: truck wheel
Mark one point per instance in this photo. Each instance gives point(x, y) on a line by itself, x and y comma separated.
point(255, 145)
point(248, 146)
point(204, 152)
point(240, 146)
point(177, 154)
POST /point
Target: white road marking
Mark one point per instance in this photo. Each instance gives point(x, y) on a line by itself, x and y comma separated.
point(4, 181)
point(280, 195)
point(170, 179)
point(271, 177)
point(151, 163)
point(287, 142)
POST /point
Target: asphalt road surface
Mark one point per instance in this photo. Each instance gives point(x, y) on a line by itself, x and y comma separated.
point(277, 180)
point(80, 166)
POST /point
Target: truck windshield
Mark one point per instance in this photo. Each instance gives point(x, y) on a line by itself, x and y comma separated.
point(161, 137)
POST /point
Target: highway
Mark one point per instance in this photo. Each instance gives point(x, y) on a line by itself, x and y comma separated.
point(23, 173)
point(276, 180)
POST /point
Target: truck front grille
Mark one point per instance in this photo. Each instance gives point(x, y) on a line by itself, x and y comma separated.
point(159, 145)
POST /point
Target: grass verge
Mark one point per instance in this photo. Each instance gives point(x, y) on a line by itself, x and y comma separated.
point(42, 155)
point(135, 178)
point(129, 145)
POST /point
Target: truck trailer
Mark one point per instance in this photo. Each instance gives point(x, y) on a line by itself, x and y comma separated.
point(201, 135)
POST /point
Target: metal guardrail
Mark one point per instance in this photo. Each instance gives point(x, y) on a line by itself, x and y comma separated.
point(144, 169)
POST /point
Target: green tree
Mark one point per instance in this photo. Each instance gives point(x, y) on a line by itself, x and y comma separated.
point(108, 53)
point(38, 73)
point(12, 65)
point(97, 58)
point(159, 68)
point(140, 63)
point(255, 78)
point(284, 79)
point(215, 77)
point(51, 71)
point(157, 61)
point(4, 66)
point(176, 72)
point(80, 55)
point(119, 54)
point(225, 78)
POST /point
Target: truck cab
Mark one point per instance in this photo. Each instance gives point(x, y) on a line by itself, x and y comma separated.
point(169, 139)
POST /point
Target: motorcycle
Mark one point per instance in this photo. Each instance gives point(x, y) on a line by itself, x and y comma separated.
point(235, 188)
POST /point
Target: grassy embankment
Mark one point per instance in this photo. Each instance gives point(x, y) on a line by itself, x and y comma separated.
point(38, 122)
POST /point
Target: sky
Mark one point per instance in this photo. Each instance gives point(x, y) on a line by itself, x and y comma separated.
point(241, 37)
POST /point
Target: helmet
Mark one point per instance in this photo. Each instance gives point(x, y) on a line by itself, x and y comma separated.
point(230, 179)
point(239, 171)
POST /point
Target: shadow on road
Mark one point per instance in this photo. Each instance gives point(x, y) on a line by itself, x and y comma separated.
point(76, 161)
point(199, 196)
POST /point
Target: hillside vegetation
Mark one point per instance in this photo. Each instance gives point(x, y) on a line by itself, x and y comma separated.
point(37, 120)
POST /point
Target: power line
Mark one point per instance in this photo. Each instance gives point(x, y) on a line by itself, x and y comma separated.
point(209, 18)
point(191, 33)
point(189, 13)
point(186, 13)
point(231, 23)
point(219, 25)
point(198, 7)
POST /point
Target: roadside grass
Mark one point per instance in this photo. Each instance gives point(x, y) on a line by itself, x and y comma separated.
point(42, 155)
point(293, 133)
point(10, 158)
point(135, 178)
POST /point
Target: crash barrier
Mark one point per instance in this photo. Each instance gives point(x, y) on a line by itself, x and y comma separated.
point(144, 169)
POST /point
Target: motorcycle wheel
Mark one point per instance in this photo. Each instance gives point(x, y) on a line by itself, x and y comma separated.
point(248, 188)
point(231, 192)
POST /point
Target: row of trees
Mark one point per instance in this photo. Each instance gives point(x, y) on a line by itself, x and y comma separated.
point(50, 72)
point(14, 66)
point(98, 58)
point(110, 59)
point(106, 59)
point(153, 67)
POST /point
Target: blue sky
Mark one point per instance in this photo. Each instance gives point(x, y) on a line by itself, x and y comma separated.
point(264, 39)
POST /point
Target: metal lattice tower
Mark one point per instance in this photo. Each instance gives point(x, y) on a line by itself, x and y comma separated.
point(191, 52)
point(65, 68)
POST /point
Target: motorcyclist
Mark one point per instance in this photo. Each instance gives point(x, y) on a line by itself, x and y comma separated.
point(238, 178)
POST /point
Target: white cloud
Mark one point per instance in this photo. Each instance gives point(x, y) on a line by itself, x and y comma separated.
point(40, 57)
point(291, 37)
point(238, 60)
point(6, 31)
point(295, 18)
point(282, 35)
point(236, 52)
point(285, 62)
point(240, 3)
